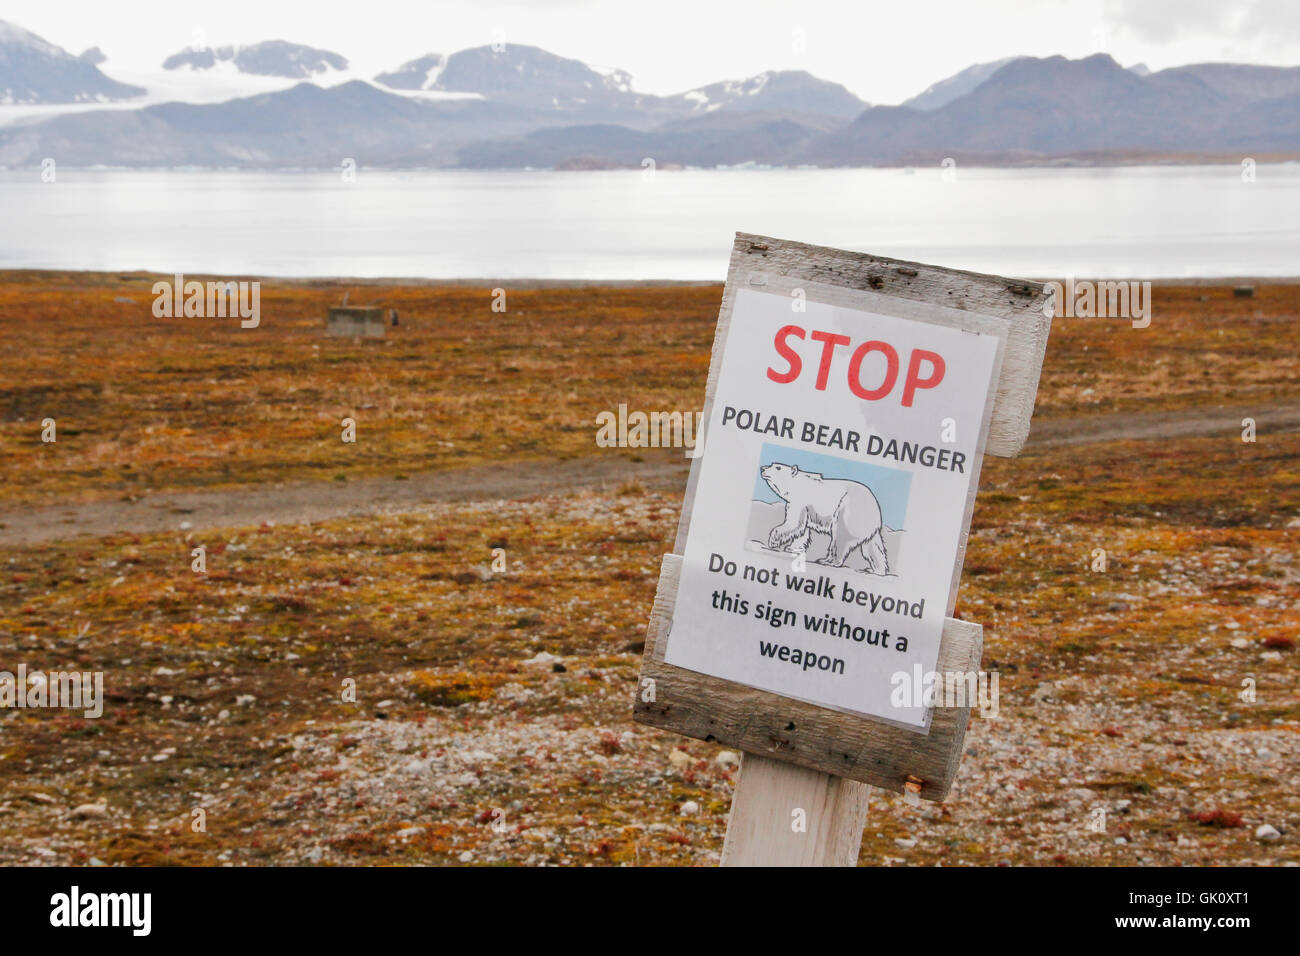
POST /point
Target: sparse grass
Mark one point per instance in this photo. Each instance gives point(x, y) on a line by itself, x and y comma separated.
point(170, 404)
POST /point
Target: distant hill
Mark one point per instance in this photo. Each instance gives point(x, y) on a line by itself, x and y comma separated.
point(1239, 81)
point(711, 140)
point(531, 78)
point(34, 71)
point(959, 84)
point(791, 91)
point(305, 126)
point(1033, 108)
point(419, 74)
point(270, 58)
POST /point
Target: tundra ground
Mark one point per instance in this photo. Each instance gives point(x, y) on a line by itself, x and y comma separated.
point(491, 716)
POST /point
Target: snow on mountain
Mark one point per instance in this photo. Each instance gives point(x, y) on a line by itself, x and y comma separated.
point(777, 91)
point(419, 74)
point(270, 58)
point(34, 71)
point(519, 75)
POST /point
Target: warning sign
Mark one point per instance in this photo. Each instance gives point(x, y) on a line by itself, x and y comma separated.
point(841, 454)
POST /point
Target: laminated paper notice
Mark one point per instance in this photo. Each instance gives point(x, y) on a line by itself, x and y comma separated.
point(840, 454)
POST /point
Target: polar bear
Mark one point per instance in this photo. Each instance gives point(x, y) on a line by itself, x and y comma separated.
point(846, 510)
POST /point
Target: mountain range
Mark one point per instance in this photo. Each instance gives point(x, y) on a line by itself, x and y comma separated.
point(522, 106)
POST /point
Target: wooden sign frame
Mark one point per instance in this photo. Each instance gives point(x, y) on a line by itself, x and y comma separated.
point(820, 739)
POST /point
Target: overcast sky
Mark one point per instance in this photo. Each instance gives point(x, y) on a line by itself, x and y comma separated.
point(883, 52)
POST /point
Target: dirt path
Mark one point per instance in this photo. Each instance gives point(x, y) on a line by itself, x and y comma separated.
point(318, 501)
point(298, 502)
point(1149, 426)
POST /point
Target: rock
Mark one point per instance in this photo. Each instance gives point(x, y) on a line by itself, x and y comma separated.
point(727, 760)
point(680, 759)
point(1240, 642)
point(689, 809)
point(904, 844)
point(466, 857)
point(1267, 833)
point(87, 810)
point(541, 659)
point(514, 691)
point(243, 699)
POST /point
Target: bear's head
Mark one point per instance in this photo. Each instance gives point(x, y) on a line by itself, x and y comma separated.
point(779, 477)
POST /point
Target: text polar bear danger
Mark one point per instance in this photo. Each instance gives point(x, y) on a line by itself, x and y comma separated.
point(845, 510)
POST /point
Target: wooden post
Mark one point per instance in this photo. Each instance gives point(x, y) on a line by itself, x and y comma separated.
point(773, 800)
point(802, 791)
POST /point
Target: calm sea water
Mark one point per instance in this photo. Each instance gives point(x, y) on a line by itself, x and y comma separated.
point(1116, 222)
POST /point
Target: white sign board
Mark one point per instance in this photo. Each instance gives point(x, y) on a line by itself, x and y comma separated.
point(841, 454)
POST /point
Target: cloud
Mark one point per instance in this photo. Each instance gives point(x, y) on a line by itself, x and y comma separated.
point(1260, 23)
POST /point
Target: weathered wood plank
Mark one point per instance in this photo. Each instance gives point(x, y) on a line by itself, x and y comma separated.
point(810, 735)
point(1020, 302)
point(773, 799)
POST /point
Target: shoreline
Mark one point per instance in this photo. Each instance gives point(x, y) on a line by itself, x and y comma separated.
point(328, 282)
point(1063, 161)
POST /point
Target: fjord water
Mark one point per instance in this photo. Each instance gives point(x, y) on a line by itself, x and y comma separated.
point(1116, 222)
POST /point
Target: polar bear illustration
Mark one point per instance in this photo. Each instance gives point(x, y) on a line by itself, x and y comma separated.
point(846, 510)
